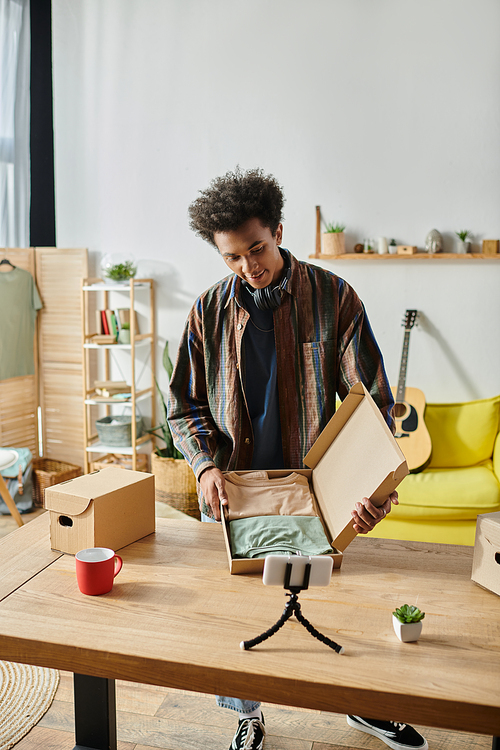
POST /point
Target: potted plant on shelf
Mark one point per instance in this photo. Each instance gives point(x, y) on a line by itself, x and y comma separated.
point(175, 482)
point(124, 334)
point(117, 268)
point(463, 242)
point(334, 239)
point(407, 622)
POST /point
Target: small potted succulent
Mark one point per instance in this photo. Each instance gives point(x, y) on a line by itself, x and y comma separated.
point(407, 622)
point(334, 239)
point(124, 334)
point(463, 242)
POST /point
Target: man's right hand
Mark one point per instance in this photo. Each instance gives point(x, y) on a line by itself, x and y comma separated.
point(213, 486)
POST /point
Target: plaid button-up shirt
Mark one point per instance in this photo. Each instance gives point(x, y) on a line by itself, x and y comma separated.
point(324, 345)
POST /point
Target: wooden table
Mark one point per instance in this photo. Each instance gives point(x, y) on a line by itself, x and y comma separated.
point(175, 617)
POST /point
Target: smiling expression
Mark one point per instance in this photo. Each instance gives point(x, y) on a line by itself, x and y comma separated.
point(252, 252)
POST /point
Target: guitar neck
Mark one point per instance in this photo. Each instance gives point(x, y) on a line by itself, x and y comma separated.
point(400, 395)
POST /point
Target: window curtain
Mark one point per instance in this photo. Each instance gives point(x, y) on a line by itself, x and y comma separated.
point(14, 123)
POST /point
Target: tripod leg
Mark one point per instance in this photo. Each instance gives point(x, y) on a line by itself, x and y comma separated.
point(311, 629)
point(287, 613)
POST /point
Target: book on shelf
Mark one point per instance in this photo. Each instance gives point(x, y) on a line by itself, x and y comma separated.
point(119, 385)
point(107, 322)
point(112, 396)
point(110, 392)
point(110, 317)
point(102, 338)
point(104, 323)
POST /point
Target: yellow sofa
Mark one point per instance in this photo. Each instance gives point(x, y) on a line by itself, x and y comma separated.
point(441, 503)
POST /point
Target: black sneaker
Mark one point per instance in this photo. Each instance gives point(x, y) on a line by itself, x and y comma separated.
point(249, 735)
point(396, 735)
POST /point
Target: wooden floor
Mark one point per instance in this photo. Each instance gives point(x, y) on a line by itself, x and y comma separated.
point(154, 717)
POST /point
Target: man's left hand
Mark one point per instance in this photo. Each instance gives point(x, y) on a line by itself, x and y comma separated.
point(366, 515)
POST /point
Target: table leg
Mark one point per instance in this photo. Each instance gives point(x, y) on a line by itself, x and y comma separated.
point(496, 743)
point(95, 713)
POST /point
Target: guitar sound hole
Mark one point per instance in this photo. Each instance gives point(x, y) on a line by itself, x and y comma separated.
point(497, 557)
point(400, 410)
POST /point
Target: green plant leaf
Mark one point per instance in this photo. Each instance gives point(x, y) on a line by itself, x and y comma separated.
point(169, 451)
point(167, 363)
point(334, 228)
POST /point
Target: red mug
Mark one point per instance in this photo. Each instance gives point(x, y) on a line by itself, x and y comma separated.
point(96, 569)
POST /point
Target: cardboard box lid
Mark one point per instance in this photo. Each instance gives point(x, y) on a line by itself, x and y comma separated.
point(355, 456)
point(74, 496)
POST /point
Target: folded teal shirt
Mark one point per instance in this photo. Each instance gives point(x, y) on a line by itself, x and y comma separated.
point(278, 535)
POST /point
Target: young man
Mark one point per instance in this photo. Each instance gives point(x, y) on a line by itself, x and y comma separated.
point(263, 356)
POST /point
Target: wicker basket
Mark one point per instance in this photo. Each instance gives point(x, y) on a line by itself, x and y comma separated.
point(47, 472)
point(175, 484)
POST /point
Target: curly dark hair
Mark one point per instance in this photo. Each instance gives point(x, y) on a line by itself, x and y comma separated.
point(233, 199)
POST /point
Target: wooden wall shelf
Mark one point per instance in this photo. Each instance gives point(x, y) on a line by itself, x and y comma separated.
point(417, 256)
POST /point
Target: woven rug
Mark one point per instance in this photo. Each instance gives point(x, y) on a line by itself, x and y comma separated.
point(26, 693)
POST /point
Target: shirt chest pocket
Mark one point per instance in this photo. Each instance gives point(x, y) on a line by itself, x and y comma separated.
point(320, 380)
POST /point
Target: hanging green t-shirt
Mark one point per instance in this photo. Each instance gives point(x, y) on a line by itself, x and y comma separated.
point(19, 302)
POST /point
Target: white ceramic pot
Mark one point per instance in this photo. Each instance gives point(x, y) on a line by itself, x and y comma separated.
point(463, 246)
point(407, 632)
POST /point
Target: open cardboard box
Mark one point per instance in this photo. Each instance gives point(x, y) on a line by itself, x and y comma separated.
point(355, 456)
point(108, 508)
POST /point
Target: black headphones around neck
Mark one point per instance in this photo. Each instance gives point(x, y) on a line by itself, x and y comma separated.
point(270, 297)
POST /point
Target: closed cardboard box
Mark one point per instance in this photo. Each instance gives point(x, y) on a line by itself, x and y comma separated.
point(355, 456)
point(486, 563)
point(108, 508)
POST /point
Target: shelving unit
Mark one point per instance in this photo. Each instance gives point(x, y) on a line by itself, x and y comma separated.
point(417, 256)
point(141, 347)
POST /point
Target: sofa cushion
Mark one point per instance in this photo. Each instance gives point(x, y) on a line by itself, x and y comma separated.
point(445, 494)
point(462, 434)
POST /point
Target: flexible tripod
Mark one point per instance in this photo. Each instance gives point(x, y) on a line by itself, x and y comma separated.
point(292, 607)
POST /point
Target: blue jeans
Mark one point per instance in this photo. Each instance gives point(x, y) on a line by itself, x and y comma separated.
point(235, 704)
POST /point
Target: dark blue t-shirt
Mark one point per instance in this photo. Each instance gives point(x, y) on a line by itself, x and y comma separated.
point(261, 385)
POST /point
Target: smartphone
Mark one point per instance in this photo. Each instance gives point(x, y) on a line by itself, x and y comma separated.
point(275, 570)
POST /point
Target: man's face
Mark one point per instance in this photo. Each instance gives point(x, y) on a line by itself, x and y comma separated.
point(252, 252)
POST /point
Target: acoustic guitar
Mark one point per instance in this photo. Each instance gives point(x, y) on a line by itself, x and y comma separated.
point(411, 432)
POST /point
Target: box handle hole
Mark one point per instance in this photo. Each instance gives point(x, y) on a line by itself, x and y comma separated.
point(65, 521)
point(497, 557)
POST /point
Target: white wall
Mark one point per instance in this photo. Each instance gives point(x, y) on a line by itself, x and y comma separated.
point(384, 112)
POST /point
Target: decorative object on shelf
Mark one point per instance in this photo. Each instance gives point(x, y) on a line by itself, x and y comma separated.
point(463, 241)
point(118, 268)
point(368, 245)
point(393, 248)
point(124, 334)
point(334, 239)
point(382, 246)
point(434, 242)
point(175, 482)
point(358, 248)
point(407, 249)
point(407, 623)
point(116, 431)
point(490, 247)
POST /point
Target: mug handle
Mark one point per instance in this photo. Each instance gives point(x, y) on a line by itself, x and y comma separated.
point(118, 565)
